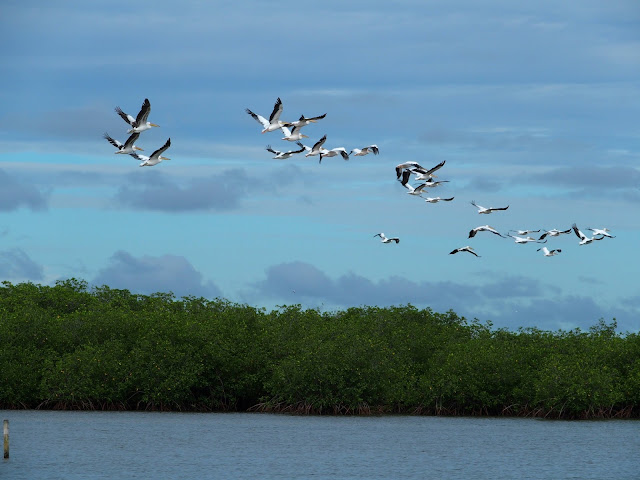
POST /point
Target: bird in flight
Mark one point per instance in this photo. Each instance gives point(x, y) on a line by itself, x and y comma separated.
point(140, 123)
point(155, 158)
point(482, 209)
point(274, 122)
point(384, 239)
point(464, 249)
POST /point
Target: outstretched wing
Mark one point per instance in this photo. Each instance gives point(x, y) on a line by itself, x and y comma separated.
point(258, 118)
point(125, 116)
point(143, 114)
point(161, 150)
point(112, 141)
point(131, 140)
point(277, 110)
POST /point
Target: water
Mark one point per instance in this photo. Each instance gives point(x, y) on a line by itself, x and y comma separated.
point(134, 445)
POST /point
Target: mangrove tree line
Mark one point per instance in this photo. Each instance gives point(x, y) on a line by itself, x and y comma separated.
point(71, 347)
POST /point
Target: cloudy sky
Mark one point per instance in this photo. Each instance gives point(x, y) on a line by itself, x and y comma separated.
point(534, 105)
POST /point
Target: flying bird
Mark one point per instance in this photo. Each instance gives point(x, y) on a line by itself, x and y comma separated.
point(525, 239)
point(315, 150)
point(155, 158)
point(584, 240)
point(303, 121)
point(524, 232)
point(437, 199)
point(553, 233)
point(464, 249)
point(140, 123)
point(357, 152)
point(549, 253)
point(482, 209)
point(294, 135)
point(484, 228)
point(333, 152)
point(283, 155)
point(274, 122)
point(601, 231)
point(128, 147)
point(385, 239)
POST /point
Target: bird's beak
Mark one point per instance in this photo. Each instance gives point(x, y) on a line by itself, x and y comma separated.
point(305, 136)
point(138, 148)
point(165, 158)
point(154, 125)
point(314, 121)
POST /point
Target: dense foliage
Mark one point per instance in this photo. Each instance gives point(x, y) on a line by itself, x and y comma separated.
point(70, 347)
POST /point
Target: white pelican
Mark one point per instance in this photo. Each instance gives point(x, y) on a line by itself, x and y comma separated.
point(437, 199)
point(274, 122)
point(315, 150)
point(482, 209)
point(292, 135)
point(584, 240)
point(155, 158)
point(385, 239)
point(303, 121)
point(333, 152)
point(128, 147)
point(601, 231)
point(524, 232)
point(549, 253)
point(484, 228)
point(405, 165)
point(553, 233)
point(426, 174)
point(525, 239)
point(464, 249)
point(282, 155)
point(140, 123)
point(357, 152)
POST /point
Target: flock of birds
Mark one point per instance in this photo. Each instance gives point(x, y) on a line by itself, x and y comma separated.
point(426, 177)
point(295, 135)
point(138, 125)
point(292, 132)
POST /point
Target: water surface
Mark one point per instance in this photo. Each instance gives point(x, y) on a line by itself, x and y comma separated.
point(135, 445)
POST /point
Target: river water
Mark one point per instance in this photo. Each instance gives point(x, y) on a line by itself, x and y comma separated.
point(229, 446)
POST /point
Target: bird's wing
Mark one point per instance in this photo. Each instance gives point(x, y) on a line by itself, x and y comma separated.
point(143, 114)
point(447, 199)
point(258, 118)
point(375, 149)
point(302, 148)
point(579, 234)
point(320, 117)
point(125, 116)
point(501, 208)
point(132, 139)
point(433, 169)
point(161, 150)
point(277, 110)
point(112, 141)
point(286, 131)
point(275, 152)
point(405, 177)
point(319, 143)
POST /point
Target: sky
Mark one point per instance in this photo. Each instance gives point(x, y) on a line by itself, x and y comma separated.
point(534, 105)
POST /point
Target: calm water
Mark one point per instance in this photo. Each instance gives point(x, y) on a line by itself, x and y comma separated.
point(115, 445)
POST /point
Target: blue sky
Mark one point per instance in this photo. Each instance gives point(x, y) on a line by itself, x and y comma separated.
point(534, 105)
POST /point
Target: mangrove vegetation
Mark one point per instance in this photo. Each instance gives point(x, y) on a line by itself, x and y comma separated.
point(70, 347)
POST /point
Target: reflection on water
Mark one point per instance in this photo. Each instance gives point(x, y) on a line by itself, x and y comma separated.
point(132, 445)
